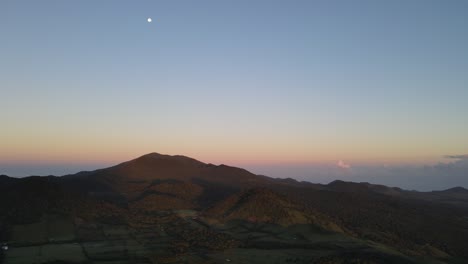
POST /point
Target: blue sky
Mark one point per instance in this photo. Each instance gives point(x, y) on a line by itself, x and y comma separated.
point(248, 83)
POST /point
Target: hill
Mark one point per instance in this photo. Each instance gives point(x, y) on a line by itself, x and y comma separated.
point(159, 208)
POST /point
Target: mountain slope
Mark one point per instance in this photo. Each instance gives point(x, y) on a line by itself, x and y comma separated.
point(259, 205)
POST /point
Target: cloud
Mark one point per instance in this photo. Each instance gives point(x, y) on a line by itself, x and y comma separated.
point(456, 156)
point(460, 161)
point(343, 165)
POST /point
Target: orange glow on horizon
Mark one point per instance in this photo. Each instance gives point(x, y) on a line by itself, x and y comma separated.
point(116, 156)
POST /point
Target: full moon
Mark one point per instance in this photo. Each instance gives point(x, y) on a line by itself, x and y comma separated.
point(149, 20)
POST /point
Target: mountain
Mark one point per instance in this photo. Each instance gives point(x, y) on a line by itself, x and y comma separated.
point(174, 209)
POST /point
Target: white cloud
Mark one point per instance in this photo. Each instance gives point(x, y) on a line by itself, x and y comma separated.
point(343, 165)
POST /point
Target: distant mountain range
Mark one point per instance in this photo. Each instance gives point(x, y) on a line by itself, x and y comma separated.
point(175, 209)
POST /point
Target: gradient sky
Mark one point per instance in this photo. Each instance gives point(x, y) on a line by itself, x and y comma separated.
point(257, 84)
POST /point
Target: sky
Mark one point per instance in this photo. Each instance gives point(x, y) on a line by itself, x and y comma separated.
point(313, 90)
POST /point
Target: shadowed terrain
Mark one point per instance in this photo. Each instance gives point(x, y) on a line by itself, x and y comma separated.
point(174, 209)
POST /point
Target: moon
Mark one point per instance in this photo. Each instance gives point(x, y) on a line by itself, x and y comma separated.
point(149, 19)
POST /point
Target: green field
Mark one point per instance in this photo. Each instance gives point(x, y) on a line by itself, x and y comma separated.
point(46, 253)
point(30, 234)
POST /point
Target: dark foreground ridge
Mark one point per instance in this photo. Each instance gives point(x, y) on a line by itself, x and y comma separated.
point(175, 209)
